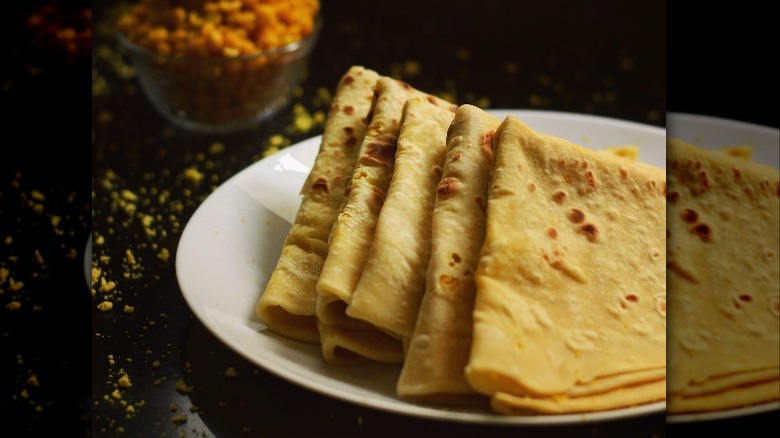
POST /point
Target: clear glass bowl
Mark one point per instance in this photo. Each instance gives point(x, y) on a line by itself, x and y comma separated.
point(221, 94)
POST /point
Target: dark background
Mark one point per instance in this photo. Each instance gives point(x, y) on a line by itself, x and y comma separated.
point(628, 60)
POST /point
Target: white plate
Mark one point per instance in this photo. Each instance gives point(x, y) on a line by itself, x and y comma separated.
point(231, 245)
point(713, 132)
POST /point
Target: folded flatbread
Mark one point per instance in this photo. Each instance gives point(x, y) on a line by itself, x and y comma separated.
point(438, 351)
point(723, 278)
point(288, 304)
point(392, 283)
point(567, 315)
point(354, 229)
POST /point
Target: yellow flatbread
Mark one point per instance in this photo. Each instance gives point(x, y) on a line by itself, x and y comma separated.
point(354, 228)
point(288, 304)
point(724, 280)
point(439, 347)
point(392, 283)
point(570, 278)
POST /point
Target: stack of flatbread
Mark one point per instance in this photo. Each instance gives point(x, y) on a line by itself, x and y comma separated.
point(724, 280)
point(494, 263)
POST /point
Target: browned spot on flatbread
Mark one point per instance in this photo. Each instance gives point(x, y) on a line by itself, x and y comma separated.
point(378, 152)
point(447, 280)
point(352, 141)
point(349, 110)
point(703, 231)
point(624, 172)
point(576, 215)
point(591, 179)
point(552, 232)
point(531, 186)
point(590, 231)
point(378, 196)
point(481, 203)
point(559, 196)
point(690, 216)
point(456, 157)
point(321, 184)
point(486, 142)
point(447, 186)
point(673, 196)
point(348, 130)
point(348, 79)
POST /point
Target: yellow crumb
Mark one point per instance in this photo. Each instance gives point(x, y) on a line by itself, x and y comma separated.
point(164, 254)
point(129, 309)
point(32, 380)
point(193, 175)
point(105, 306)
point(216, 148)
point(742, 152)
point(183, 387)
point(630, 152)
point(128, 195)
point(116, 394)
point(13, 305)
point(8, 240)
point(231, 373)
point(130, 257)
point(4, 272)
point(38, 196)
point(124, 381)
point(14, 285)
point(179, 419)
point(156, 364)
point(106, 286)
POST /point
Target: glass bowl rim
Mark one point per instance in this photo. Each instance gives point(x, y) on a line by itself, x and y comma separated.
point(304, 43)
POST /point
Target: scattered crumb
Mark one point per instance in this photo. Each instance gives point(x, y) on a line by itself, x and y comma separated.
point(231, 373)
point(128, 309)
point(105, 306)
point(13, 305)
point(124, 381)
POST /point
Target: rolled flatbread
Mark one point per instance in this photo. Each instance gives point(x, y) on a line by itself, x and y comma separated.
point(288, 304)
point(567, 315)
point(354, 228)
point(724, 280)
point(439, 347)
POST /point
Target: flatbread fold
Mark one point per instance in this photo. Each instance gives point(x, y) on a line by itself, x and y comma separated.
point(288, 304)
point(723, 215)
point(439, 346)
point(354, 230)
point(569, 312)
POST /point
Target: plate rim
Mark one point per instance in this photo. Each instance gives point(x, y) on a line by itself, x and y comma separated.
point(405, 407)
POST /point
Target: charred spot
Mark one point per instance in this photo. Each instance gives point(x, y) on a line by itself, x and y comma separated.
point(349, 109)
point(697, 165)
point(531, 186)
point(737, 173)
point(456, 258)
point(321, 185)
point(591, 180)
point(664, 188)
point(348, 79)
point(567, 177)
point(552, 232)
point(590, 231)
point(379, 152)
point(348, 130)
point(747, 298)
point(378, 196)
point(673, 196)
point(487, 142)
point(352, 141)
point(584, 164)
point(703, 231)
point(334, 108)
point(576, 215)
point(632, 298)
point(456, 157)
point(481, 203)
point(432, 100)
point(623, 172)
point(690, 216)
point(704, 179)
point(559, 196)
point(447, 186)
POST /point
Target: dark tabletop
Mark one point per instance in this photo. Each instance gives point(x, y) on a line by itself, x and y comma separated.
point(607, 58)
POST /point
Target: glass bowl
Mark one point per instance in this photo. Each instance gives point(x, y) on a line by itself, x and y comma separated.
point(221, 94)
